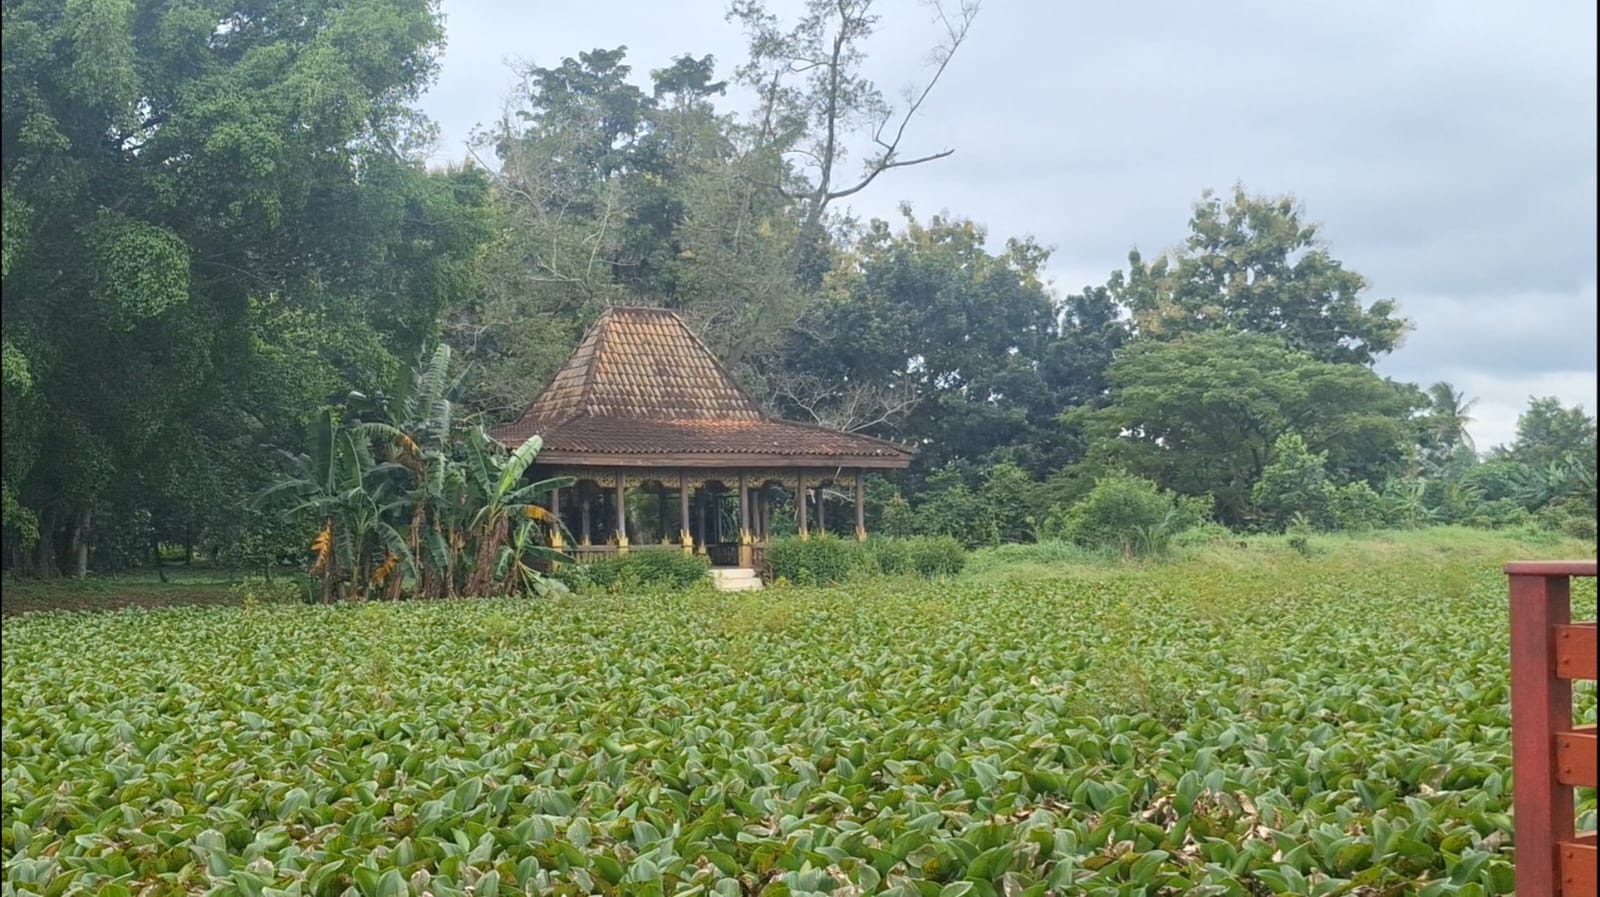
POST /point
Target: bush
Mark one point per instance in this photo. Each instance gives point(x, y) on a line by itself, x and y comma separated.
point(1131, 515)
point(1569, 518)
point(1295, 483)
point(890, 557)
point(656, 568)
point(821, 560)
point(1357, 507)
point(253, 591)
point(825, 559)
point(949, 507)
point(936, 556)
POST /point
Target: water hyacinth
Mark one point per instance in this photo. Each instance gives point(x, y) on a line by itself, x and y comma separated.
point(1136, 731)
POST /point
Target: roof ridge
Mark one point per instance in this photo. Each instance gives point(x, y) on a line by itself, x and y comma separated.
point(591, 367)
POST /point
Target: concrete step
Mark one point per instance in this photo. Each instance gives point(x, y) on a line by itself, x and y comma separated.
point(735, 579)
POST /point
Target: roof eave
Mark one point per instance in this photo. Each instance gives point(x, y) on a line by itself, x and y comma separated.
point(720, 459)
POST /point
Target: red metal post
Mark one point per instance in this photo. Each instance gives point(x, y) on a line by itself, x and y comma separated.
point(1540, 703)
point(1549, 755)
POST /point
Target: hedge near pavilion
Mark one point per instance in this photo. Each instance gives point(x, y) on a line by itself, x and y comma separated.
point(668, 453)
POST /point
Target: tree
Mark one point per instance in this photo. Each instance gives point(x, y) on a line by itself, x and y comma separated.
point(1548, 432)
point(815, 96)
point(943, 335)
point(613, 193)
point(409, 499)
point(1295, 485)
point(1252, 265)
point(169, 173)
point(1202, 415)
point(1448, 415)
point(1130, 515)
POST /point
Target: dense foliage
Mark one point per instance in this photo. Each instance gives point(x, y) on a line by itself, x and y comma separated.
point(1218, 727)
point(216, 228)
point(213, 223)
point(826, 559)
point(407, 500)
point(637, 571)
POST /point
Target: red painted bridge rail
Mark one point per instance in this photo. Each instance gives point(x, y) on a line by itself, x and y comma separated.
point(1550, 755)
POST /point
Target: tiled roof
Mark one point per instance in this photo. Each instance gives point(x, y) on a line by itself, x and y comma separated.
point(641, 383)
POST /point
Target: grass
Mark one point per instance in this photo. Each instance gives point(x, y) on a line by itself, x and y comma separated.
point(1240, 722)
point(184, 585)
point(1434, 546)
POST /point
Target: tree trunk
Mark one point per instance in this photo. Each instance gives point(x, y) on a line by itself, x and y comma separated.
point(45, 550)
point(155, 555)
point(80, 544)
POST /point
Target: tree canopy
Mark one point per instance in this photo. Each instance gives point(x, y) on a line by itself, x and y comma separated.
point(218, 228)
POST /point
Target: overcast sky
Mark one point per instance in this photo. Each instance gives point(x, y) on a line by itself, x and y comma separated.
point(1447, 149)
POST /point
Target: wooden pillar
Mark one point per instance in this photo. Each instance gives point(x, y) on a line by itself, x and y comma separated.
point(622, 514)
point(584, 500)
point(861, 507)
point(1541, 704)
point(800, 507)
point(746, 553)
point(700, 502)
point(683, 513)
point(822, 510)
point(555, 511)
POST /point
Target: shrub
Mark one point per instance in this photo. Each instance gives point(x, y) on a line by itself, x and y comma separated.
point(661, 568)
point(1357, 507)
point(890, 557)
point(950, 507)
point(1569, 518)
point(936, 556)
point(1009, 495)
point(1130, 514)
point(1295, 483)
point(1501, 513)
point(253, 591)
point(898, 518)
point(820, 560)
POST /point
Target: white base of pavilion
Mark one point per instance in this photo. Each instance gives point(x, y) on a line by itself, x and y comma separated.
point(735, 579)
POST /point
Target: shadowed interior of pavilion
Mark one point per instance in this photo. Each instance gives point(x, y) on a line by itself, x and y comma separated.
point(668, 453)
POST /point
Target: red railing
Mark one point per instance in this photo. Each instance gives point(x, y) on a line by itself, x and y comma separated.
point(1550, 755)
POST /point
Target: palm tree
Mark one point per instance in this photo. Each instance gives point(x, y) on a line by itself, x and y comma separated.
point(1449, 413)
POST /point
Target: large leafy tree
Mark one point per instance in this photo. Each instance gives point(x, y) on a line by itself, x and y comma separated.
point(1549, 431)
point(172, 171)
point(612, 192)
point(1252, 264)
point(928, 336)
point(1202, 415)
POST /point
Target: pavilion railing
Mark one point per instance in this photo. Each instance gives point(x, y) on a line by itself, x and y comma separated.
point(1550, 755)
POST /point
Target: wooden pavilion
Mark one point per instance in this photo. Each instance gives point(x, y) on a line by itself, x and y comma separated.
point(645, 418)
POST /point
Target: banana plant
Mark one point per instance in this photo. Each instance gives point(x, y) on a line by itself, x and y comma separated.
point(338, 483)
point(501, 497)
point(424, 506)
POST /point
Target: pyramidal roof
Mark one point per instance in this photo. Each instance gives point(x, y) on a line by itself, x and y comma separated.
point(643, 363)
point(641, 386)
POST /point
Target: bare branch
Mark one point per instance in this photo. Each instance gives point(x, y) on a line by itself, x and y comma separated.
point(880, 169)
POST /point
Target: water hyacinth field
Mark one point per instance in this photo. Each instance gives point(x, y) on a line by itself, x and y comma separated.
point(1332, 725)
